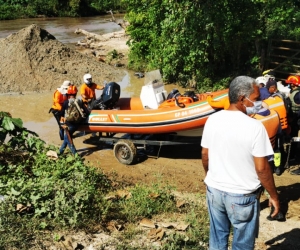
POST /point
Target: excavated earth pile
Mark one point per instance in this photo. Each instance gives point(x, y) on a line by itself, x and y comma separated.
point(33, 60)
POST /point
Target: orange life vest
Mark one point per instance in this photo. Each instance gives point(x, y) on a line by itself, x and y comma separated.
point(58, 100)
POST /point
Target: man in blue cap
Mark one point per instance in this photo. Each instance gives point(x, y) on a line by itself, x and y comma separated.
point(264, 93)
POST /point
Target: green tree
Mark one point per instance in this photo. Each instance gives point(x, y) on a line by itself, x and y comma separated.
point(12, 9)
point(205, 39)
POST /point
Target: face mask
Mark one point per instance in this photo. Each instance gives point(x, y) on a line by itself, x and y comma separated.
point(89, 81)
point(255, 108)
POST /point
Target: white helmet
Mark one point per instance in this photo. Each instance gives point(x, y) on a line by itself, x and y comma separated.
point(86, 77)
point(64, 87)
point(66, 84)
point(262, 79)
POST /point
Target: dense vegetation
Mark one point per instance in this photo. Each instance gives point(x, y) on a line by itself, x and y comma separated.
point(12, 9)
point(200, 41)
point(40, 197)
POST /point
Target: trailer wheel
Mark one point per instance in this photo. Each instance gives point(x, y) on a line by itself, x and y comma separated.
point(125, 151)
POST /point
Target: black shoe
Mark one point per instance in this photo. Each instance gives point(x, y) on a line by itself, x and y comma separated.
point(296, 172)
point(277, 171)
point(278, 217)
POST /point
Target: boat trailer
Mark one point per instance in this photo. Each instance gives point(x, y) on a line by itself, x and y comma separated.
point(125, 145)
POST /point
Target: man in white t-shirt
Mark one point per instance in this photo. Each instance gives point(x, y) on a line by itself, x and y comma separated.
point(234, 156)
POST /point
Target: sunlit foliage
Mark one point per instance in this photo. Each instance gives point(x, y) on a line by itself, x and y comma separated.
point(200, 40)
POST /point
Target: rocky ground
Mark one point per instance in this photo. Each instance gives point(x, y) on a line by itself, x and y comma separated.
point(33, 64)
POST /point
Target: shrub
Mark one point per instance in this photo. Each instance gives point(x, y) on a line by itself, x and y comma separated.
point(146, 201)
point(65, 191)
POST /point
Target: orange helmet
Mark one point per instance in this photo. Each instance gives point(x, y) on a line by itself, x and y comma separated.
point(72, 90)
point(295, 80)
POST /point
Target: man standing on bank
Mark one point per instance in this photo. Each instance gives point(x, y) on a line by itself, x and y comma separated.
point(234, 156)
point(59, 97)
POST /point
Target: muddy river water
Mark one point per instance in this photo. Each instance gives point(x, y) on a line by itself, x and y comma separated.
point(63, 28)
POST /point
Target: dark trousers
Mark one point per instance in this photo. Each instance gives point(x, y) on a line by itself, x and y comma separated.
point(68, 141)
point(295, 147)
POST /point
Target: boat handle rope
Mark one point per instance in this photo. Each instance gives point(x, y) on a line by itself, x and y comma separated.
point(179, 104)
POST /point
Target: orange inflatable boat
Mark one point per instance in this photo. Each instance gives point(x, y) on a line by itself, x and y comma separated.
point(183, 115)
point(156, 113)
point(178, 119)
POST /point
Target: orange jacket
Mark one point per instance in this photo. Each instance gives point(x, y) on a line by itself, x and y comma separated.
point(58, 100)
point(89, 92)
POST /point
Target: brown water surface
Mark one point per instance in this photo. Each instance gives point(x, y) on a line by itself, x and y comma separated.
point(63, 27)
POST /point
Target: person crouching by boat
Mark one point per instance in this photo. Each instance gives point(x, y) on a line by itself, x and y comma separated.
point(87, 90)
point(59, 97)
point(69, 128)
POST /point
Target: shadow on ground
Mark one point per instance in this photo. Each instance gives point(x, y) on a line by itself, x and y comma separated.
point(286, 195)
point(286, 241)
point(188, 151)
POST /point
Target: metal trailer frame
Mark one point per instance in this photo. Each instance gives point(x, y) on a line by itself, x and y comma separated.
point(125, 145)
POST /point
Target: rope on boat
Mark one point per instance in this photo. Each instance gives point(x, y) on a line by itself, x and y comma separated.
point(179, 104)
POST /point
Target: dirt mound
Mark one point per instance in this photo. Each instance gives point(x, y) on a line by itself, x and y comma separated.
point(33, 60)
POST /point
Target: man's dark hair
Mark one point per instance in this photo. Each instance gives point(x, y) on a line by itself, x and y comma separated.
point(271, 82)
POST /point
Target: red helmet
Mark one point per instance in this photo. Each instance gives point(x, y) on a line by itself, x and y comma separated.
point(72, 90)
point(295, 80)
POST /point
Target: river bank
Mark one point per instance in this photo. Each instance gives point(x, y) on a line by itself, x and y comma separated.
point(180, 166)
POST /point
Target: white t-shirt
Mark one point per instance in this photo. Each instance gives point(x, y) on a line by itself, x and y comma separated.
point(232, 139)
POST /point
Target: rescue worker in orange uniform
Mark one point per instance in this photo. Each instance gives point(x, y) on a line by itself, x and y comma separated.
point(87, 89)
point(59, 97)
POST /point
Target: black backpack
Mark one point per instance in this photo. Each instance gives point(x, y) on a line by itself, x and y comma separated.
point(75, 112)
